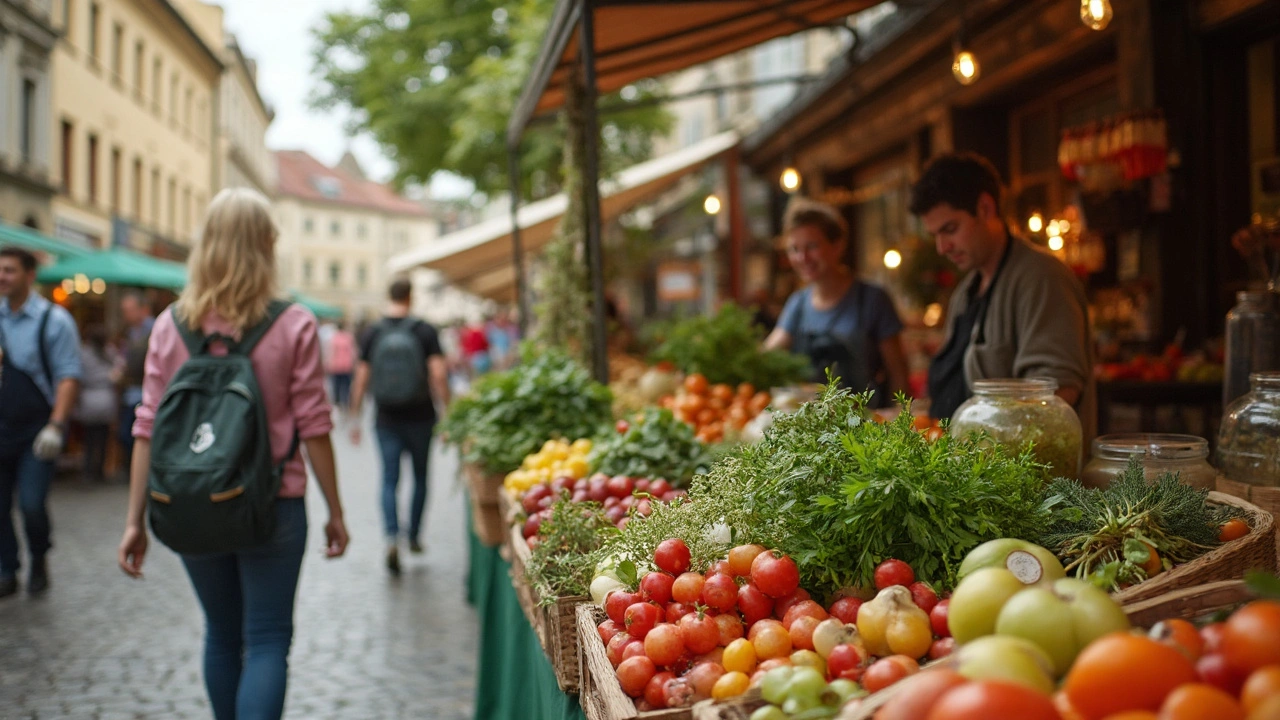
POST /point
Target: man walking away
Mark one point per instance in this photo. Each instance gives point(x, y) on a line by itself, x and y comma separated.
point(402, 366)
point(39, 380)
point(138, 320)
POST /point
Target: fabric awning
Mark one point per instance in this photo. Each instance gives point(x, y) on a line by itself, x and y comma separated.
point(637, 39)
point(118, 266)
point(478, 259)
point(319, 308)
point(29, 239)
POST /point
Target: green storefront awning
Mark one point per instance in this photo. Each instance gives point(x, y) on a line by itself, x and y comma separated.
point(118, 266)
point(318, 308)
point(29, 239)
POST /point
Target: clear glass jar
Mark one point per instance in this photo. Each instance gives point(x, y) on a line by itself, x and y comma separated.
point(1252, 329)
point(1249, 438)
point(1186, 455)
point(1014, 412)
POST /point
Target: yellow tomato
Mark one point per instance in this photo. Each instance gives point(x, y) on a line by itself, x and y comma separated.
point(730, 685)
point(577, 467)
point(740, 656)
point(581, 446)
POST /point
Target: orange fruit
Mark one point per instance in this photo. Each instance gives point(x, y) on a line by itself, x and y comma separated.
point(1198, 701)
point(1268, 710)
point(1121, 672)
point(1180, 634)
point(1251, 637)
point(1262, 685)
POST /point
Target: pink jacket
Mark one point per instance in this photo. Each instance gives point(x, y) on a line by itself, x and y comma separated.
point(287, 363)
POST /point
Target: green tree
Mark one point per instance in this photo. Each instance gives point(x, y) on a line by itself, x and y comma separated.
point(435, 81)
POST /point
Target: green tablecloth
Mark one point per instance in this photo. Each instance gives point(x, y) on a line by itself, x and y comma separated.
point(514, 677)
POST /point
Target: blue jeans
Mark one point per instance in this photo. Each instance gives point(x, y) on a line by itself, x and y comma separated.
point(30, 477)
point(247, 598)
point(394, 440)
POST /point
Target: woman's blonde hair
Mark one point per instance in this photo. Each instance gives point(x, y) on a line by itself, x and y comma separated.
point(232, 269)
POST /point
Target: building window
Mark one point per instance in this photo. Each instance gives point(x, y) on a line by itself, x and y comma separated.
point(308, 226)
point(115, 180)
point(362, 275)
point(335, 273)
point(93, 169)
point(306, 272)
point(186, 211)
point(28, 120)
point(95, 20)
point(157, 77)
point(137, 189)
point(173, 98)
point(173, 205)
point(186, 110)
point(155, 197)
point(117, 54)
point(139, 68)
point(335, 228)
point(68, 138)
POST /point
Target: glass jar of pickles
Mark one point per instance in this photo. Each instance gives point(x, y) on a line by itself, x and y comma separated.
point(1249, 438)
point(1160, 453)
point(1015, 412)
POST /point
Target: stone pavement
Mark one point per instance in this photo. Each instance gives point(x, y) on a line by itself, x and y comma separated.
point(99, 646)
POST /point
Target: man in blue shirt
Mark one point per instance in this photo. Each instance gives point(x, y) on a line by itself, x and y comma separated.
point(39, 381)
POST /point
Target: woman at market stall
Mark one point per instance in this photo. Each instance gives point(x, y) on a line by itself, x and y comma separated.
point(839, 322)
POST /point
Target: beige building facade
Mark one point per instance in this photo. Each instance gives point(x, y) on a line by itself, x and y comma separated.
point(27, 37)
point(135, 124)
point(243, 159)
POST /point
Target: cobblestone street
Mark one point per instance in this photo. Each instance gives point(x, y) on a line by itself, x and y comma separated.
point(98, 646)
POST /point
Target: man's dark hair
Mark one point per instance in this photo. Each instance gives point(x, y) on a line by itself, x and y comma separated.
point(957, 179)
point(400, 291)
point(803, 212)
point(27, 259)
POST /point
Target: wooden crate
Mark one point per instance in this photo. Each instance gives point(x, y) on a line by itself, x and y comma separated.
point(1229, 561)
point(601, 696)
point(553, 623)
point(739, 708)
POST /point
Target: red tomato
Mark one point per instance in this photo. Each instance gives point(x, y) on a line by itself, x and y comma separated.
point(655, 692)
point(776, 575)
point(720, 592)
point(919, 694)
point(887, 671)
point(1251, 639)
point(846, 609)
point(718, 567)
point(672, 556)
point(635, 674)
point(607, 630)
point(1216, 671)
point(677, 610)
point(985, 699)
point(640, 618)
point(893, 572)
point(659, 487)
point(804, 608)
point(730, 628)
point(699, 632)
point(942, 647)
point(1212, 634)
point(618, 643)
point(783, 605)
point(620, 486)
point(754, 605)
point(845, 661)
point(664, 644)
point(741, 557)
point(616, 604)
point(656, 586)
point(938, 618)
point(622, 426)
point(680, 693)
point(703, 677)
point(923, 595)
point(801, 631)
point(635, 648)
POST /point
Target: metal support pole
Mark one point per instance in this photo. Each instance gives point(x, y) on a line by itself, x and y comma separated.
point(517, 246)
point(591, 193)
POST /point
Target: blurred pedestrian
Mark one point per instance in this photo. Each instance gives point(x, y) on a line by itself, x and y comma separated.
point(502, 334)
point(138, 318)
point(475, 349)
point(39, 380)
point(340, 364)
point(247, 595)
point(402, 367)
point(99, 404)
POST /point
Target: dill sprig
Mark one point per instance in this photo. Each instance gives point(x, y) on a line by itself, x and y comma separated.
point(563, 562)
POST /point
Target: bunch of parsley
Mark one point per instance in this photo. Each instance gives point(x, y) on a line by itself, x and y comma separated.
point(656, 445)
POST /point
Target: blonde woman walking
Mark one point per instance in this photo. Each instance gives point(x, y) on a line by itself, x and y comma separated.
point(247, 594)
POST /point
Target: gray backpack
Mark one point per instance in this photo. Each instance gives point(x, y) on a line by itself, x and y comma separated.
point(398, 365)
point(213, 483)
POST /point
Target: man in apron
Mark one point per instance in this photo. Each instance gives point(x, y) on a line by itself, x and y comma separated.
point(39, 381)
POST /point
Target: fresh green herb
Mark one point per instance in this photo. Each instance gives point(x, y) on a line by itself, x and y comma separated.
point(726, 349)
point(1106, 535)
point(511, 414)
point(656, 445)
point(563, 562)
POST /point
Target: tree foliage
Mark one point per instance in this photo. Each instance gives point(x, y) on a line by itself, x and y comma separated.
point(435, 81)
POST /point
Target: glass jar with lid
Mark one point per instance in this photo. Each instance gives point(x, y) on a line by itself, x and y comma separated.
point(1249, 438)
point(1016, 411)
point(1186, 455)
point(1253, 328)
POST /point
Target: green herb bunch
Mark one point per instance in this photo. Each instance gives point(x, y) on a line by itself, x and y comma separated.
point(726, 349)
point(511, 414)
point(563, 562)
point(655, 445)
point(1106, 535)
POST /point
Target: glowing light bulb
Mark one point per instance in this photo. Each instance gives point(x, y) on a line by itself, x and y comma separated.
point(1035, 223)
point(1095, 13)
point(82, 284)
point(711, 205)
point(966, 68)
point(1055, 229)
point(99, 286)
point(1064, 226)
point(932, 315)
point(892, 259)
point(790, 179)
point(1055, 243)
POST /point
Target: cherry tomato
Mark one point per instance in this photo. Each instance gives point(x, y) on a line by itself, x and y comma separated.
point(703, 677)
point(615, 646)
point(719, 567)
point(776, 575)
point(942, 647)
point(1233, 529)
point(740, 656)
point(720, 592)
point(664, 644)
point(783, 605)
point(1214, 670)
point(616, 604)
point(845, 661)
point(730, 628)
point(801, 631)
point(846, 609)
point(1180, 634)
point(699, 632)
point(655, 692)
point(635, 674)
point(677, 610)
point(923, 595)
point(659, 488)
point(741, 557)
point(938, 618)
point(607, 630)
point(640, 618)
point(754, 605)
point(804, 608)
point(893, 572)
point(656, 586)
point(672, 556)
point(1251, 638)
point(886, 671)
point(622, 426)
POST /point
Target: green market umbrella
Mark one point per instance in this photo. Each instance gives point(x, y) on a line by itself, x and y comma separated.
point(29, 239)
point(319, 308)
point(118, 266)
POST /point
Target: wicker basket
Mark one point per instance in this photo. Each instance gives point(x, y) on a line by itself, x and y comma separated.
point(486, 518)
point(1189, 603)
point(739, 708)
point(601, 696)
point(554, 623)
point(1255, 551)
point(482, 486)
point(1267, 498)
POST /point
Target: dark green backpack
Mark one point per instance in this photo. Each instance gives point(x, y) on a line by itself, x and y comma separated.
point(213, 484)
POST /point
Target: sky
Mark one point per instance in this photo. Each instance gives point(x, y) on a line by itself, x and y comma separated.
point(277, 34)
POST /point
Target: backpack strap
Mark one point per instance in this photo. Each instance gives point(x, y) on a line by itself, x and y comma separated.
point(44, 348)
point(193, 338)
point(249, 340)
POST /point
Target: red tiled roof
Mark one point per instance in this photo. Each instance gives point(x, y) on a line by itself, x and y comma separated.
point(302, 176)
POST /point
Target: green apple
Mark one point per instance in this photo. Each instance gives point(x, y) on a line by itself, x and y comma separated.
point(977, 601)
point(1061, 620)
point(1001, 657)
point(1031, 563)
